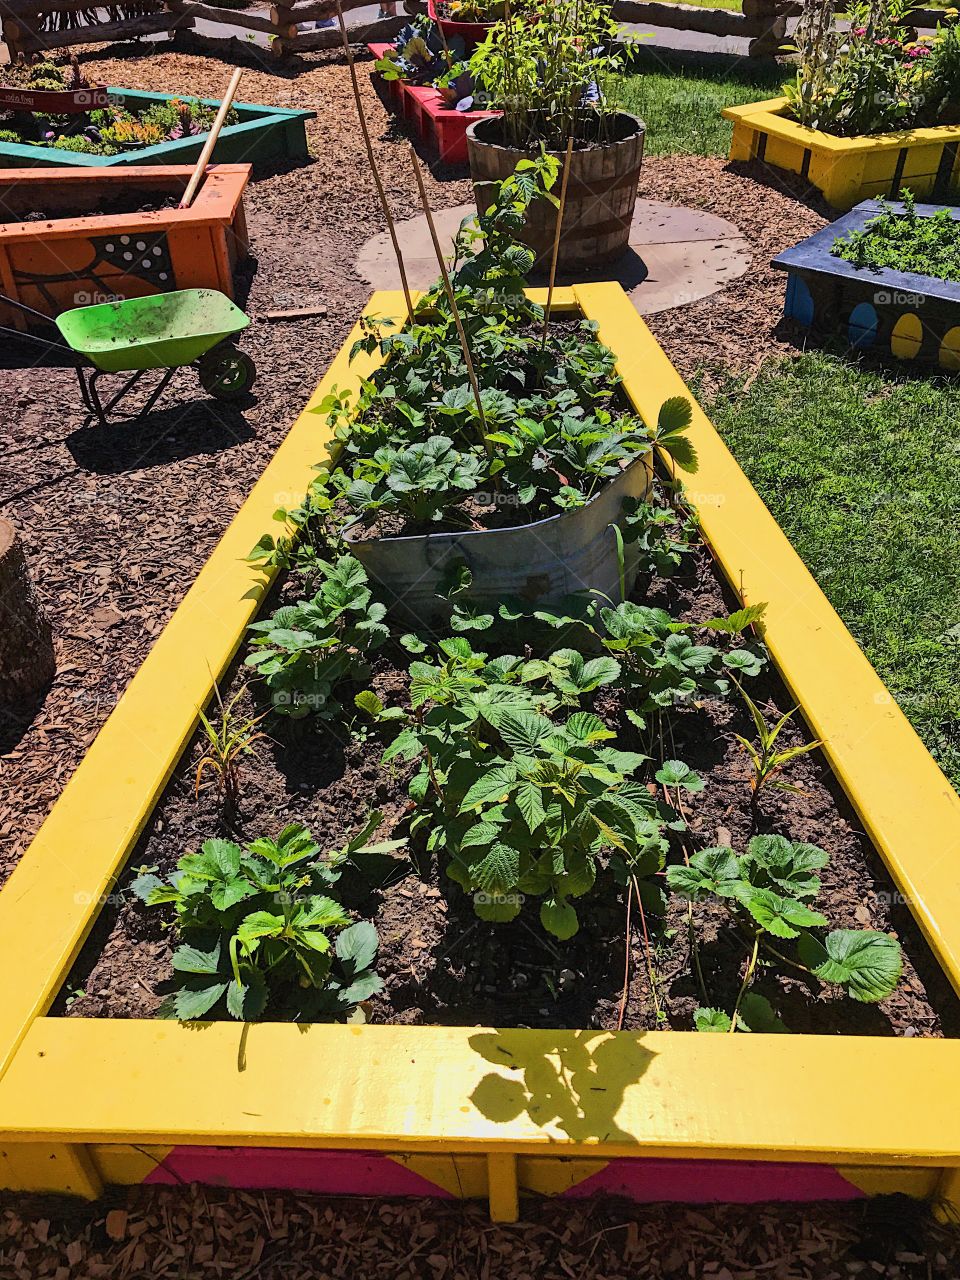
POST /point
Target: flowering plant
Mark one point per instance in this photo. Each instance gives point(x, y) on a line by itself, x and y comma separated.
point(875, 77)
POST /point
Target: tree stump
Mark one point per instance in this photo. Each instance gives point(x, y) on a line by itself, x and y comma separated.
point(27, 662)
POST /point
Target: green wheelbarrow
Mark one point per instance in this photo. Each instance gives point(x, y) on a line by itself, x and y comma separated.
point(170, 331)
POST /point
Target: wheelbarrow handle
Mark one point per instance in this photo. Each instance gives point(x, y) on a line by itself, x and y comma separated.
point(32, 337)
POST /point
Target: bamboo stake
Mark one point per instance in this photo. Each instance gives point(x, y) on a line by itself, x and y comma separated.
point(447, 285)
point(373, 164)
point(211, 142)
point(446, 47)
point(556, 239)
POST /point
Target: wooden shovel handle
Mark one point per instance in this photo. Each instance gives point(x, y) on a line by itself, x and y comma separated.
point(211, 141)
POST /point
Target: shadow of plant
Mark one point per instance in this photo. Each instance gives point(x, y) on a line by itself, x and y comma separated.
point(571, 1081)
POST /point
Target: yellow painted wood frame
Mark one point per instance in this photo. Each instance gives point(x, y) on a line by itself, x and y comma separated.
point(846, 170)
point(87, 1101)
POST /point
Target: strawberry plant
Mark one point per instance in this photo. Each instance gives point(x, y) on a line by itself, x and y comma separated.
point(421, 481)
point(259, 934)
point(665, 662)
point(303, 651)
point(768, 892)
point(520, 802)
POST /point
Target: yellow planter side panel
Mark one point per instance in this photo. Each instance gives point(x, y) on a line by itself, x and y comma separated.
point(907, 806)
point(465, 1177)
point(120, 1165)
point(921, 1184)
point(742, 142)
point(49, 1166)
point(456, 1090)
point(839, 177)
point(783, 153)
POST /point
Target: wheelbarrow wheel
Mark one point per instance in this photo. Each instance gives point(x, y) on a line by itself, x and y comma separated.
point(226, 373)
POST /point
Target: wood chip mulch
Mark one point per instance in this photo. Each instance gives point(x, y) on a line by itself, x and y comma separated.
point(117, 523)
point(187, 1233)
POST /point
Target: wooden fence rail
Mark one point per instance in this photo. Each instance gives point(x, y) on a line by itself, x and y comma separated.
point(26, 30)
point(26, 27)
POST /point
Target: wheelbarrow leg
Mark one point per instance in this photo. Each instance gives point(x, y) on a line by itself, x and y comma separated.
point(127, 386)
point(91, 397)
point(157, 392)
point(97, 409)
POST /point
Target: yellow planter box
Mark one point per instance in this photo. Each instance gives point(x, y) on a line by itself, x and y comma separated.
point(461, 1111)
point(847, 170)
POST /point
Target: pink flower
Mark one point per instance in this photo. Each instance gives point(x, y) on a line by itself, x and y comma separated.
point(859, 31)
point(918, 51)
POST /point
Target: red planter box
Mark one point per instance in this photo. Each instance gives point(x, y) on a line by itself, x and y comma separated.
point(52, 102)
point(472, 33)
point(443, 127)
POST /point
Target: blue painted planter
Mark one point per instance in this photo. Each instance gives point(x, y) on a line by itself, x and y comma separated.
point(262, 136)
point(890, 313)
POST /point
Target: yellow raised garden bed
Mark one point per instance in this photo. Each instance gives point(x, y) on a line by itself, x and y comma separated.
point(847, 170)
point(460, 1111)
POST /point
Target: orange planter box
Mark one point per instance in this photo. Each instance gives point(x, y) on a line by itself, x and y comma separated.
point(54, 264)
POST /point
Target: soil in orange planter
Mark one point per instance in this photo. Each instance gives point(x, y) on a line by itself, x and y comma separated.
point(129, 202)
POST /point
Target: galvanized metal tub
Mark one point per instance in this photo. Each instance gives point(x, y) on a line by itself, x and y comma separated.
point(539, 563)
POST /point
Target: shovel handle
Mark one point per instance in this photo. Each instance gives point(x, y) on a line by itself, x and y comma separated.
point(211, 141)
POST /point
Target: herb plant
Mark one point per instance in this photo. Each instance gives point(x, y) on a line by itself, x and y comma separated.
point(905, 241)
point(552, 73)
point(229, 738)
point(768, 892)
point(871, 76)
point(767, 759)
point(259, 933)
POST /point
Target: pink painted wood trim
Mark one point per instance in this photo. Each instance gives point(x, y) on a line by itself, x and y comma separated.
point(716, 1182)
point(344, 1173)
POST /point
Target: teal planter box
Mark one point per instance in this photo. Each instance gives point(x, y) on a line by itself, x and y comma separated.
point(262, 136)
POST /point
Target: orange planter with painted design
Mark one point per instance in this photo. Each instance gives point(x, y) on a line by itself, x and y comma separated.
point(71, 237)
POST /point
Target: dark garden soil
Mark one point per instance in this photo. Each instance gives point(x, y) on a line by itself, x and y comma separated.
point(442, 965)
point(128, 203)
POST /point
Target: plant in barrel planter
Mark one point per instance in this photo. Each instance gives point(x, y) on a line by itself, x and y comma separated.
point(504, 477)
point(551, 75)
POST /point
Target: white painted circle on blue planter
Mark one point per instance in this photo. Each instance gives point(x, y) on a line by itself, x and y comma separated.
point(862, 325)
point(799, 302)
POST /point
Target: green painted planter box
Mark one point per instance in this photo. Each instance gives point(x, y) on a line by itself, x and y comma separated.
point(262, 136)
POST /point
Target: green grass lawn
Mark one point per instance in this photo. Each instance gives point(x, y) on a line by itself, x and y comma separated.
point(862, 470)
point(681, 102)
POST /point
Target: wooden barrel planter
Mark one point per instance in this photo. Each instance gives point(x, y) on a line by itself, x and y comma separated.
point(601, 191)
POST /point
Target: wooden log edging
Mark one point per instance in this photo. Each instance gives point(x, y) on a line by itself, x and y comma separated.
point(23, 36)
point(27, 661)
